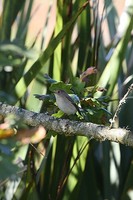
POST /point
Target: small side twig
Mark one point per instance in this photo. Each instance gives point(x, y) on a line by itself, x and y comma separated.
point(122, 101)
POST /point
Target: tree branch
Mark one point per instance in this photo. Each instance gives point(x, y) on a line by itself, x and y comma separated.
point(68, 127)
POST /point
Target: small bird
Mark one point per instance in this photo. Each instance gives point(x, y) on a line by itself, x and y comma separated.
point(65, 102)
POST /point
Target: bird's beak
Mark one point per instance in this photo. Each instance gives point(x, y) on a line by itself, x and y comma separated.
point(55, 92)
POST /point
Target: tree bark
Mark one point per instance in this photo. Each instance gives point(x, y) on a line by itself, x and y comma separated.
point(68, 127)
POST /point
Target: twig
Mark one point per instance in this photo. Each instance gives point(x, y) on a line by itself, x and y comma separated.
point(121, 102)
point(39, 152)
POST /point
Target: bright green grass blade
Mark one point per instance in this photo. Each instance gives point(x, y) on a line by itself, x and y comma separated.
point(37, 87)
point(57, 52)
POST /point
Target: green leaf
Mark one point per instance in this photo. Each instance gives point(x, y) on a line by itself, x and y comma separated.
point(17, 50)
point(48, 79)
point(59, 114)
point(61, 86)
point(78, 85)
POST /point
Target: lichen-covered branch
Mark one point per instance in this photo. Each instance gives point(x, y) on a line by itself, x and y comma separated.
point(68, 127)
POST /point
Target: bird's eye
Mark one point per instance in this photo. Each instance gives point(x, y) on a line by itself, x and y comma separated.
point(58, 91)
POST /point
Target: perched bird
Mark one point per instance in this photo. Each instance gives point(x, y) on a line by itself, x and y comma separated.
point(65, 102)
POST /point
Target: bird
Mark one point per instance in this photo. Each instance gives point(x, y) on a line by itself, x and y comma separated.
point(65, 102)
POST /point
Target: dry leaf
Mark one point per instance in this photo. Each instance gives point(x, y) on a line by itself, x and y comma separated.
point(89, 71)
point(6, 133)
point(34, 135)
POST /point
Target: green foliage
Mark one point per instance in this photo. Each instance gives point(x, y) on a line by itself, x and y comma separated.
point(60, 86)
point(8, 168)
point(69, 167)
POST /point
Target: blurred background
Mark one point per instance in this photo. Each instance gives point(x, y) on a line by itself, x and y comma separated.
point(64, 39)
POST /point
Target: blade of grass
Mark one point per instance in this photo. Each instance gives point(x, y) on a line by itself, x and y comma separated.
point(57, 52)
point(85, 38)
point(112, 17)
